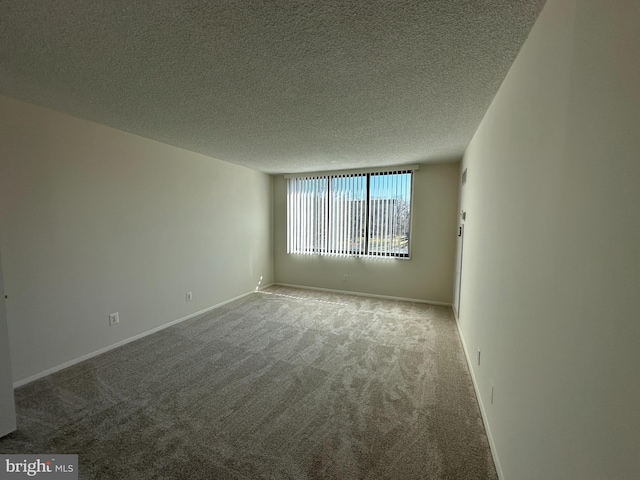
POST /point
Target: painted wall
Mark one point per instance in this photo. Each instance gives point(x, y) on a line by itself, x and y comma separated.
point(94, 220)
point(7, 404)
point(551, 273)
point(428, 275)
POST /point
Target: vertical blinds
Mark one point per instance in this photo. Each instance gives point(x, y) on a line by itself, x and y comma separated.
point(307, 209)
point(361, 214)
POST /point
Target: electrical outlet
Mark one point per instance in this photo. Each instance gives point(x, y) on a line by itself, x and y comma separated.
point(345, 277)
point(478, 356)
point(114, 319)
point(189, 296)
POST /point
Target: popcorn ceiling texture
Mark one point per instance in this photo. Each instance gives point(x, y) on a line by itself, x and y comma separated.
point(278, 86)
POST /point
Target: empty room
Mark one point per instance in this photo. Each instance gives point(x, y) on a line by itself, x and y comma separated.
point(320, 239)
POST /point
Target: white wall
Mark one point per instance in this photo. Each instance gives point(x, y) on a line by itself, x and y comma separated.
point(95, 220)
point(7, 404)
point(428, 275)
point(551, 275)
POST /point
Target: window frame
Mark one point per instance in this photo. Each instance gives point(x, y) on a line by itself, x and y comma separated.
point(326, 248)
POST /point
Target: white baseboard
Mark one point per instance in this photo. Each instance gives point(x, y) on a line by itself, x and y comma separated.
point(483, 412)
point(362, 294)
point(75, 361)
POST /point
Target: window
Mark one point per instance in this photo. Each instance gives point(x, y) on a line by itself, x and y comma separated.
point(360, 214)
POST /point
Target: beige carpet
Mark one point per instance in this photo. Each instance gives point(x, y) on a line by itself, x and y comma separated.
point(284, 383)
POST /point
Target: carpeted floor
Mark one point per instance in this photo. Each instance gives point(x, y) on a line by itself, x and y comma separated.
point(283, 383)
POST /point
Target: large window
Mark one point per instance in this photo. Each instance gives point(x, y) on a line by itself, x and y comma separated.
point(361, 214)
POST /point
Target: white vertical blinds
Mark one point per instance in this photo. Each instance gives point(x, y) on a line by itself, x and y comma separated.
point(307, 215)
point(361, 214)
point(347, 195)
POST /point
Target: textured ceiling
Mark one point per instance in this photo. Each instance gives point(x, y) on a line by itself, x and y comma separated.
point(279, 86)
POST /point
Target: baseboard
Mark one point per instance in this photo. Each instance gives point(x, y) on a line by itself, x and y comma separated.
point(492, 445)
point(100, 351)
point(363, 294)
